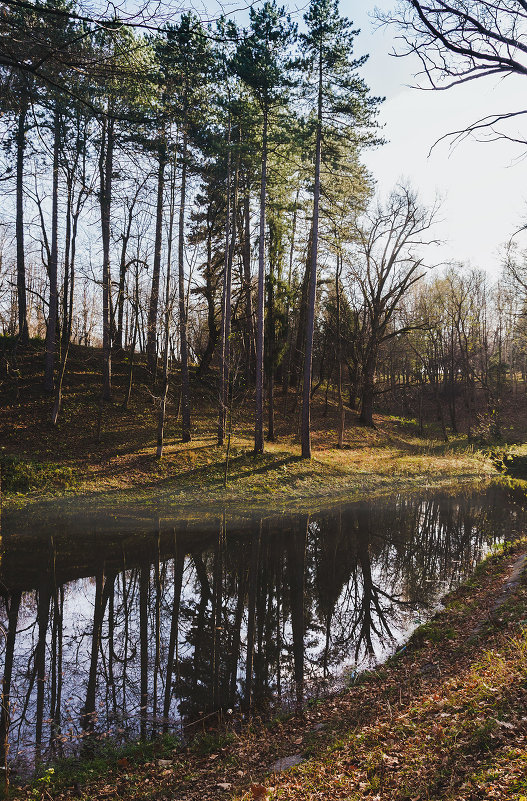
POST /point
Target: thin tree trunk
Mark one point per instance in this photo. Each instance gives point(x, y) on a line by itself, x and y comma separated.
point(51, 332)
point(310, 321)
point(23, 331)
point(270, 355)
point(168, 310)
point(68, 319)
point(258, 417)
point(186, 435)
point(105, 170)
point(225, 301)
point(246, 255)
point(287, 371)
point(134, 340)
point(342, 414)
point(151, 343)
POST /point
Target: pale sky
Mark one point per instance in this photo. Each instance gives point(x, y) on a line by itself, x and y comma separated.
point(482, 185)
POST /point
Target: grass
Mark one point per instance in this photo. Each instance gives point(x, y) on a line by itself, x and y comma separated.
point(104, 756)
point(40, 462)
point(404, 732)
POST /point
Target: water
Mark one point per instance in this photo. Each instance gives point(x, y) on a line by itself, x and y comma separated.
point(126, 626)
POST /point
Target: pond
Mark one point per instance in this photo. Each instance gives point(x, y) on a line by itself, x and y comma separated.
point(128, 627)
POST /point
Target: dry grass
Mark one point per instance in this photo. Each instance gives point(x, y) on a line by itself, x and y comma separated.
point(71, 458)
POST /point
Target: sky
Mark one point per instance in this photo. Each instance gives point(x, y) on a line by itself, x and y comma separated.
point(481, 185)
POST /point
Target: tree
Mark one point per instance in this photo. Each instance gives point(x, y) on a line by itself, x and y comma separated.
point(459, 41)
point(385, 263)
point(342, 106)
point(188, 59)
point(261, 62)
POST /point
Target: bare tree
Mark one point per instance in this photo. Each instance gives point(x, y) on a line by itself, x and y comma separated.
point(385, 263)
point(461, 40)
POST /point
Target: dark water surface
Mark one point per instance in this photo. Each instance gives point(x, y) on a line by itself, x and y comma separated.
point(124, 626)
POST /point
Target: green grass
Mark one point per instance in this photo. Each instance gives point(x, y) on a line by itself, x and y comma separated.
point(104, 756)
point(19, 475)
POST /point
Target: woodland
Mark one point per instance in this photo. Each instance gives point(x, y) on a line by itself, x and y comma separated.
point(221, 348)
point(188, 198)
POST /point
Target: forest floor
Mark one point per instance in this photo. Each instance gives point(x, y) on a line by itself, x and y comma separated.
point(444, 719)
point(118, 463)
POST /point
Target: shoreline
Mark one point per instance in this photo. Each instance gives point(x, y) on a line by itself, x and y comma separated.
point(344, 741)
point(278, 480)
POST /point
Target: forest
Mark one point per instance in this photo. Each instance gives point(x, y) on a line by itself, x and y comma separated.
point(190, 197)
point(263, 449)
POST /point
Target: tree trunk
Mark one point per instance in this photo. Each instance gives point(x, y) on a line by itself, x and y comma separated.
point(168, 310)
point(105, 174)
point(246, 255)
point(185, 384)
point(310, 320)
point(151, 343)
point(342, 414)
point(226, 300)
point(23, 331)
point(270, 355)
point(258, 417)
point(51, 332)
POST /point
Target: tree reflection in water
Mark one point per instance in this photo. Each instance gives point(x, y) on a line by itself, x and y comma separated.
point(119, 635)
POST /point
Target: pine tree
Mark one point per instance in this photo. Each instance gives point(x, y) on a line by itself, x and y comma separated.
point(343, 107)
point(262, 63)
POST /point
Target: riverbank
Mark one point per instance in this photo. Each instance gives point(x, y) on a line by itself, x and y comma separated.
point(106, 455)
point(109, 459)
point(442, 719)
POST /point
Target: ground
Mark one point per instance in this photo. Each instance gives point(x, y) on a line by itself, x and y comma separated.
point(444, 719)
point(118, 461)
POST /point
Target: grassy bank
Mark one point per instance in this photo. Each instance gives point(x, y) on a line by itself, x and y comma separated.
point(442, 719)
point(110, 459)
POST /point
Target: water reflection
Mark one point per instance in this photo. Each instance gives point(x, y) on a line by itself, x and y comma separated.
point(108, 634)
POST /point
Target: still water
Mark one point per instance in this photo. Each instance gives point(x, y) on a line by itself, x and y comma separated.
point(129, 627)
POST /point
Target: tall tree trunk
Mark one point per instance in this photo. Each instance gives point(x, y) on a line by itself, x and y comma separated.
point(51, 332)
point(246, 256)
point(151, 342)
point(310, 320)
point(68, 315)
point(270, 355)
point(339, 355)
point(298, 349)
point(105, 174)
point(168, 311)
point(23, 331)
point(258, 417)
point(225, 300)
point(209, 293)
point(287, 372)
point(185, 384)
